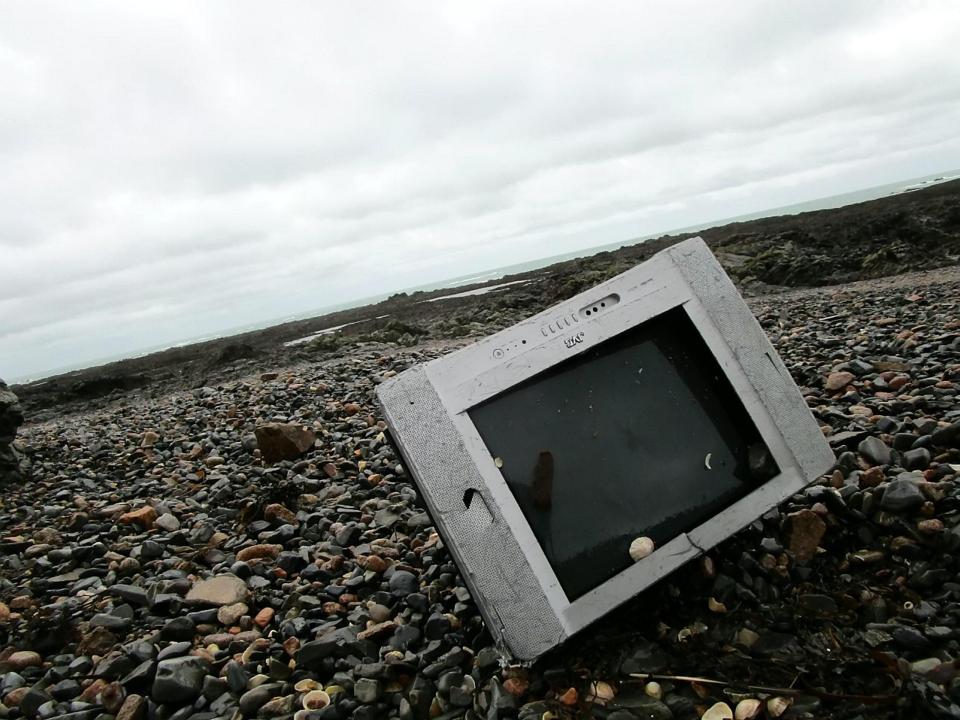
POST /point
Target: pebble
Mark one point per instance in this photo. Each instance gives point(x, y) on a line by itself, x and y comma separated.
point(167, 522)
point(178, 679)
point(875, 451)
point(805, 529)
point(901, 496)
point(838, 380)
point(231, 614)
point(22, 659)
point(220, 590)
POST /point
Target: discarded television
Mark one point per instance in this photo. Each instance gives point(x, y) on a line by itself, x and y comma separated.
point(648, 413)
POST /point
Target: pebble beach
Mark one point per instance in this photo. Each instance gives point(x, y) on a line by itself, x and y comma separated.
point(256, 549)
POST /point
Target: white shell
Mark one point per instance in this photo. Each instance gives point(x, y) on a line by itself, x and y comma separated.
point(748, 709)
point(653, 689)
point(719, 711)
point(307, 685)
point(716, 606)
point(600, 692)
point(315, 700)
point(641, 548)
point(777, 706)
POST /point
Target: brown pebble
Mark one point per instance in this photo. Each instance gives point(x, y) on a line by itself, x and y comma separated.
point(516, 686)
point(133, 708)
point(12, 699)
point(263, 617)
point(275, 512)
point(872, 477)
point(291, 645)
point(111, 697)
point(258, 552)
point(931, 526)
point(838, 380)
point(23, 659)
point(374, 563)
point(144, 517)
point(806, 530)
point(93, 690)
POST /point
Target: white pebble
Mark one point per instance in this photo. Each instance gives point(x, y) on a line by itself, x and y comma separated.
point(640, 548)
point(718, 711)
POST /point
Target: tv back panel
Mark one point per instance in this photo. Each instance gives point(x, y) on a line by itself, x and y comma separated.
point(650, 407)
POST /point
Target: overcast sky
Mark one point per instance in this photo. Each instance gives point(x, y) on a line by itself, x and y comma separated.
point(169, 170)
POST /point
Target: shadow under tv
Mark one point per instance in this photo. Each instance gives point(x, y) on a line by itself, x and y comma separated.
point(650, 406)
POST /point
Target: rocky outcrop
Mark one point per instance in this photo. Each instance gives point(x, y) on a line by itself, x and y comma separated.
point(11, 418)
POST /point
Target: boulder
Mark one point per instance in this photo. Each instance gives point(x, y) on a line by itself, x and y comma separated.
point(283, 441)
point(11, 418)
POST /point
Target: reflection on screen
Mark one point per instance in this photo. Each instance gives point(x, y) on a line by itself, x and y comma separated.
point(641, 435)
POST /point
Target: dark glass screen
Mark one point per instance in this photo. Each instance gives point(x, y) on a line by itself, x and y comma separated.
point(613, 444)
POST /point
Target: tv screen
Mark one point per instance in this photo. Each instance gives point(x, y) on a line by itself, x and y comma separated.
point(642, 435)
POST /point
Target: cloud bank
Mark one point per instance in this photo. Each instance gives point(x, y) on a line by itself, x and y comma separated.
point(171, 170)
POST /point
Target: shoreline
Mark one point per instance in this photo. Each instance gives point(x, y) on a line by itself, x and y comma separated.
point(889, 236)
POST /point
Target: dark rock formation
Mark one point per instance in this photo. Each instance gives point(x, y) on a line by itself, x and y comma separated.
point(11, 418)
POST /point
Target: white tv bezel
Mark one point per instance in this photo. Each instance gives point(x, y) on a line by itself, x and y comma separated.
point(503, 564)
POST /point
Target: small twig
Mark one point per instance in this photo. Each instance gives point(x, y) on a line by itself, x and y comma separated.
point(707, 681)
point(822, 694)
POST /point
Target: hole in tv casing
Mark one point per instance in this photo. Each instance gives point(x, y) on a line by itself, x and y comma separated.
point(476, 511)
point(598, 306)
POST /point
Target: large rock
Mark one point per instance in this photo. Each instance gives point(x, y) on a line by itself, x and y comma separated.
point(283, 441)
point(805, 529)
point(179, 679)
point(875, 451)
point(11, 418)
point(902, 495)
point(948, 436)
point(220, 590)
